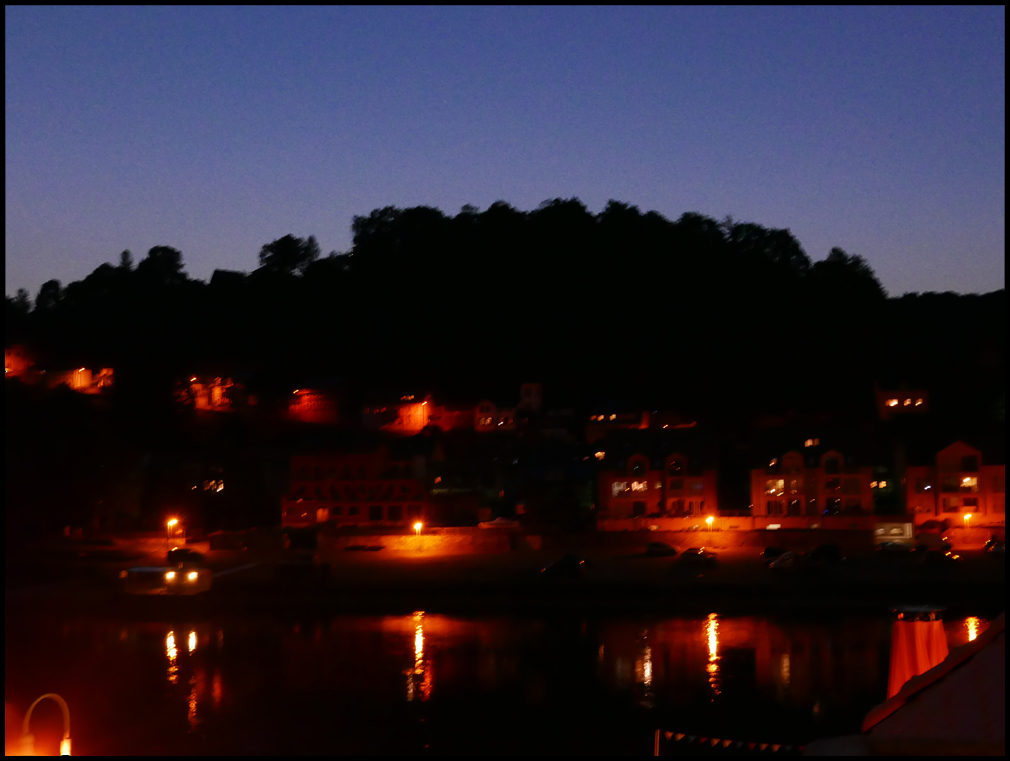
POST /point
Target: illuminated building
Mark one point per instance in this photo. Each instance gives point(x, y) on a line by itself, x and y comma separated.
point(354, 489)
point(606, 419)
point(16, 361)
point(204, 393)
point(488, 418)
point(957, 484)
point(81, 379)
point(314, 405)
point(668, 487)
point(799, 491)
point(903, 402)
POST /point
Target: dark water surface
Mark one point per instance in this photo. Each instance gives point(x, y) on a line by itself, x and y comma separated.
point(429, 683)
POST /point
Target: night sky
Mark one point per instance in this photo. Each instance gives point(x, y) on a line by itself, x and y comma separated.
point(880, 130)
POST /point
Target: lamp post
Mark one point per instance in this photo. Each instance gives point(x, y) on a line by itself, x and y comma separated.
point(967, 518)
point(417, 528)
point(28, 740)
point(709, 520)
point(172, 523)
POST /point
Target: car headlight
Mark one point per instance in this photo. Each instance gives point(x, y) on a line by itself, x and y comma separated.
point(170, 576)
point(192, 576)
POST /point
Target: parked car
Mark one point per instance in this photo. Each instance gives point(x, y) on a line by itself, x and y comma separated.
point(770, 554)
point(894, 548)
point(660, 549)
point(182, 556)
point(569, 566)
point(699, 556)
point(787, 561)
point(825, 554)
point(940, 558)
point(996, 547)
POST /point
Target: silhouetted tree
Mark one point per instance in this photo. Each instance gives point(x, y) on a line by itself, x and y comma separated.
point(49, 295)
point(162, 266)
point(289, 255)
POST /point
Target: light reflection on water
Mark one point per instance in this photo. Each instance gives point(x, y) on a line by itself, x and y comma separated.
point(420, 677)
point(711, 663)
point(712, 640)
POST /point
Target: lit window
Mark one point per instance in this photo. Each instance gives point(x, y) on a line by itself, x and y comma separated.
point(883, 484)
point(618, 487)
point(969, 484)
point(873, 484)
point(775, 486)
point(600, 455)
point(773, 462)
point(892, 402)
point(918, 402)
point(613, 417)
point(811, 442)
point(639, 485)
point(908, 402)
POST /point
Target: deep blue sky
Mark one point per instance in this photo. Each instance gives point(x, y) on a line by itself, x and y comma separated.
point(880, 130)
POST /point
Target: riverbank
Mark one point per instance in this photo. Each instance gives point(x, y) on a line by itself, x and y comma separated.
point(386, 582)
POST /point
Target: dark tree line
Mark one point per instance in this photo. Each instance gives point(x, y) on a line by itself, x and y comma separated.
point(694, 313)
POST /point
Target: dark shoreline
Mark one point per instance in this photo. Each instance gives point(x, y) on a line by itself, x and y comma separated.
point(288, 600)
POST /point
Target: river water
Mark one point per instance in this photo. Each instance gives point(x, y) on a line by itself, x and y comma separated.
point(421, 682)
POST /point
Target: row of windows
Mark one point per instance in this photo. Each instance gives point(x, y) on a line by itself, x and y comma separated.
point(401, 470)
point(350, 493)
point(617, 488)
point(640, 468)
point(908, 401)
point(677, 508)
point(830, 506)
point(378, 512)
point(962, 484)
point(777, 486)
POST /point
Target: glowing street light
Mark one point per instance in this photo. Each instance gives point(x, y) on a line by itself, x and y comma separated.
point(967, 518)
point(28, 740)
point(417, 528)
point(709, 520)
point(170, 528)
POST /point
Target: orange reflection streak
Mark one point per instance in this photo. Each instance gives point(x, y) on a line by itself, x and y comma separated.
point(971, 624)
point(172, 652)
point(191, 642)
point(712, 636)
point(191, 716)
point(218, 690)
point(419, 678)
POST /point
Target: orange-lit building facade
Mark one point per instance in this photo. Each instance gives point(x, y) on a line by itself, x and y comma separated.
point(313, 405)
point(207, 393)
point(371, 489)
point(16, 361)
point(795, 492)
point(956, 485)
point(81, 379)
point(643, 489)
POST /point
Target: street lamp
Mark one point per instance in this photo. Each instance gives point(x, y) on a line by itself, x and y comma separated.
point(172, 523)
point(28, 740)
point(417, 528)
point(709, 520)
point(967, 518)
